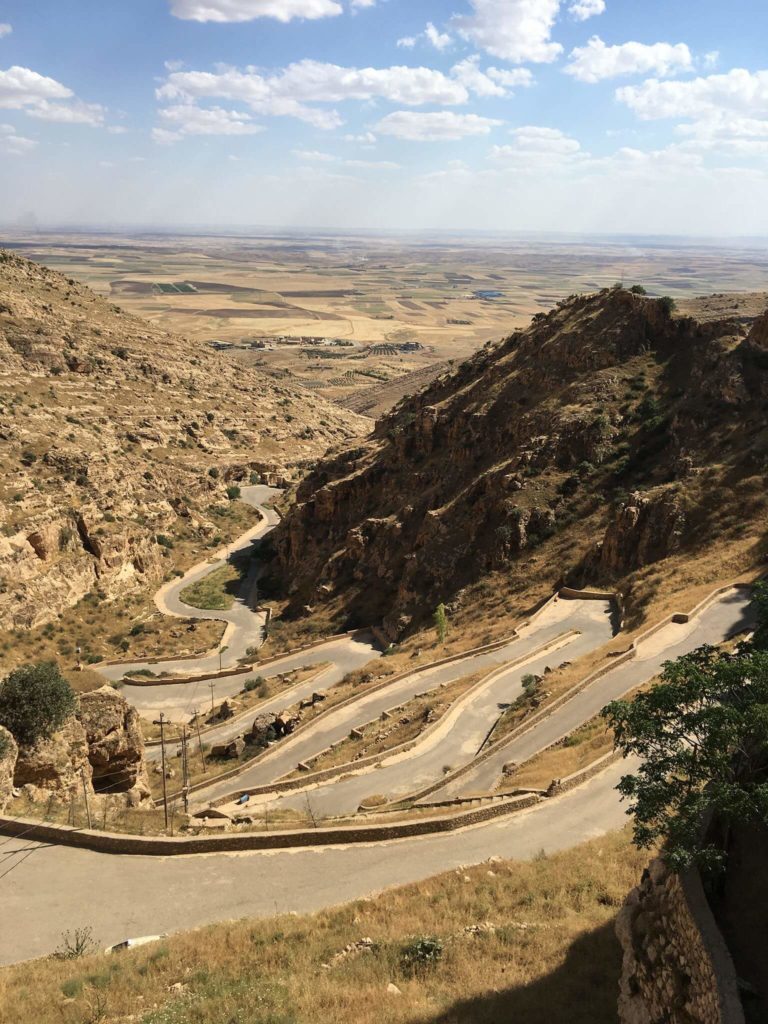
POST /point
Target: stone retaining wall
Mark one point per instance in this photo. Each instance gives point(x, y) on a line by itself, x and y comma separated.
point(676, 967)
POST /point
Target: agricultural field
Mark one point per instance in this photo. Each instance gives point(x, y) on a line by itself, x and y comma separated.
point(366, 319)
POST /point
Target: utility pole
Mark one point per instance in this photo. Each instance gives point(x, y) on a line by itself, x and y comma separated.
point(199, 737)
point(221, 651)
point(211, 687)
point(85, 795)
point(161, 723)
point(184, 769)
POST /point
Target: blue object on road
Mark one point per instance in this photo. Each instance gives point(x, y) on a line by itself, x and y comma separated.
point(244, 798)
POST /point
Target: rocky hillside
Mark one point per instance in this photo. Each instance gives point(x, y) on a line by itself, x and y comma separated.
point(608, 435)
point(111, 430)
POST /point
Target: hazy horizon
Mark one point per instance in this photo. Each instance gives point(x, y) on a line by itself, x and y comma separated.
point(589, 117)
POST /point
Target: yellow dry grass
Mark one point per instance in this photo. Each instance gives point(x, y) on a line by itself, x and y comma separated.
point(551, 957)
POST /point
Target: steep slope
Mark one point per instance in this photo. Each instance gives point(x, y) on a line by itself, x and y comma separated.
point(540, 443)
point(111, 430)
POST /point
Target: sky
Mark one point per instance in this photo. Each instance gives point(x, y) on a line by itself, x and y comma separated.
point(587, 116)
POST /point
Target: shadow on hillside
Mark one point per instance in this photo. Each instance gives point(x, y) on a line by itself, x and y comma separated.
point(583, 990)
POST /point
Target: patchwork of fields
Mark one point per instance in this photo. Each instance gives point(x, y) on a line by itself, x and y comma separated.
point(343, 314)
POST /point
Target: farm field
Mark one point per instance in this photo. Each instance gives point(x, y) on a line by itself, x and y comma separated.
point(351, 315)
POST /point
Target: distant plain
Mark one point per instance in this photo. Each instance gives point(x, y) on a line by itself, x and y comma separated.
point(371, 295)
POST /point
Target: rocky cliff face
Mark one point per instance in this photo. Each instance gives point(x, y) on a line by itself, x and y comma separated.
point(110, 430)
point(100, 747)
point(8, 753)
point(538, 435)
point(640, 531)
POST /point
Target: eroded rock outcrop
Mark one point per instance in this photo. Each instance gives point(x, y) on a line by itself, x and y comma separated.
point(641, 530)
point(8, 753)
point(56, 765)
point(115, 745)
point(100, 748)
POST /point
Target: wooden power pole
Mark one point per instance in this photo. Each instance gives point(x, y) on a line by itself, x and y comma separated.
point(199, 737)
point(161, 723)
point(184, 769)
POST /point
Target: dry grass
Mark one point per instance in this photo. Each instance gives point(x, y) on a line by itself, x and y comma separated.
point(553, 957)
point(215, 591)
point(584, 746)
point(409, 720)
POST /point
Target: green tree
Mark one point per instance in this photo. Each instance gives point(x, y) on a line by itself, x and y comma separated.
point(667, 303)
point(440, 620)
point(702, 735)
point(637, 289)
point(35, 700)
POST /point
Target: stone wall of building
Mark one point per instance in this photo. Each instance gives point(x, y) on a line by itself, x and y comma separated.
point(676, 967)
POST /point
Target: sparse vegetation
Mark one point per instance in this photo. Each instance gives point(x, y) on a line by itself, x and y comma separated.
point(530, 941)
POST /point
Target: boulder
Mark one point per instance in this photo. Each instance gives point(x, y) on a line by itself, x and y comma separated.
point(229, 751)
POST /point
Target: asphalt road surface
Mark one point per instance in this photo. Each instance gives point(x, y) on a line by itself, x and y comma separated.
point(46, 890)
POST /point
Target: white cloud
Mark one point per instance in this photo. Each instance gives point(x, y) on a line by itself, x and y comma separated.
point(366, 139)
point(436, 126)
point(45, 98)
point(5, 29)
point(189, 119)
point(75, 112)
point(249, 10)
point(537, 148)
point(21, 87)
point(431, 35)
point(583, 9)
point(358, 4)
point(290, 91)
point(738, 92)
point(511, 79)
point(596, 61)
point(313, 155)
point(440, 40)
point(515, 30)
point(12, 143)
point(384, 165)
point(492, 82)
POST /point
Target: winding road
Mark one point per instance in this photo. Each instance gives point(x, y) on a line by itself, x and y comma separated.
point(46, 890)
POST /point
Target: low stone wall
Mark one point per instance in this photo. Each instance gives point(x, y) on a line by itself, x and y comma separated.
point(161, 846)
point(676, 967)
point(236, 670)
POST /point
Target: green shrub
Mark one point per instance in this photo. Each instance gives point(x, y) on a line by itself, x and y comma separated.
point(421, 954)
point(35, 700)
point(667, 303)
point(233, 492)
point(258, 683)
